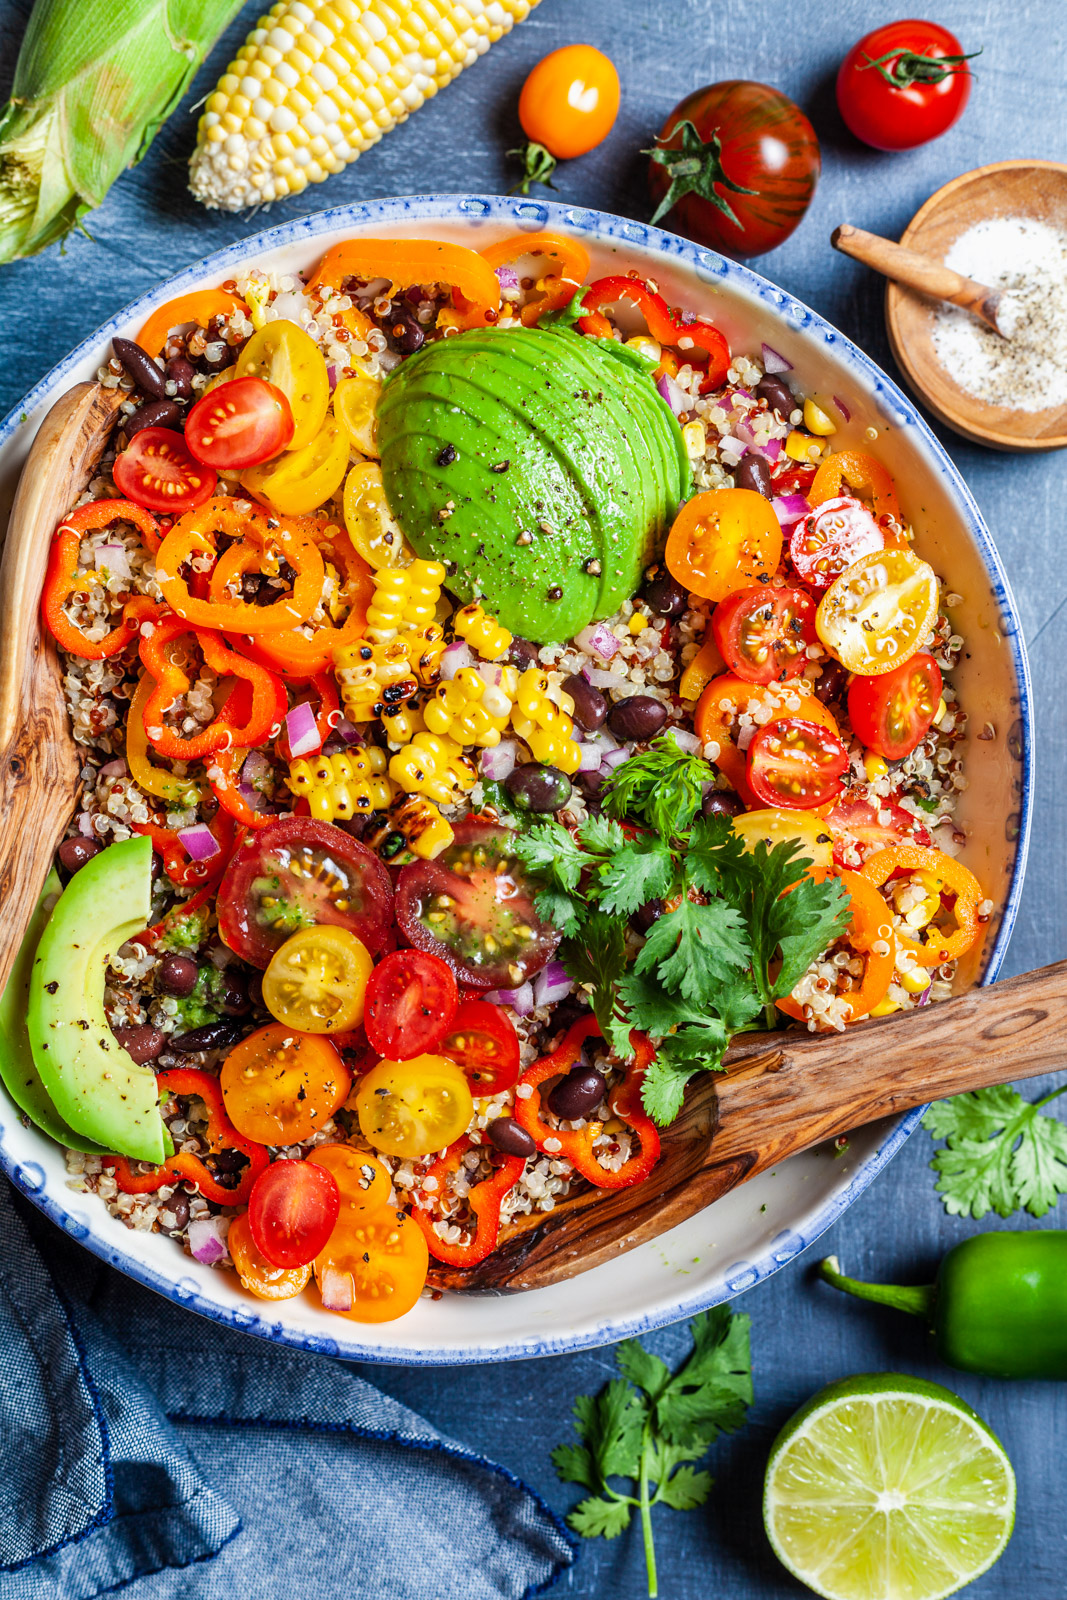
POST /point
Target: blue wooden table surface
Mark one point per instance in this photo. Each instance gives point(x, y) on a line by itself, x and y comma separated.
point(803, 1335)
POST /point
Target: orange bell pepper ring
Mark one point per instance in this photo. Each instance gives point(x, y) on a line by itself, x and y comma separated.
point(297, 656)
point(856, 470)
point(485, 1200)
point(257, 532)
point(405, 262)
point(171, 681)
point(199, 307)
point(187, 1082)
point(576, 1144)
point(569, 268)
point(713, 725)
point(667, 327)
point(869, 926)
point(951, 878)
point(62, 578)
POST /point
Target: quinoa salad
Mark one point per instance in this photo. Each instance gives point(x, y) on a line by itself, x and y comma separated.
point(493, 694)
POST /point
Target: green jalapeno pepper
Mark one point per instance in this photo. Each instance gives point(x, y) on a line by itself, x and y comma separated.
point(998, 1306)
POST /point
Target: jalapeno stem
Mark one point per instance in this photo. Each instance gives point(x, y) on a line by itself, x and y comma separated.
point(918, 1301)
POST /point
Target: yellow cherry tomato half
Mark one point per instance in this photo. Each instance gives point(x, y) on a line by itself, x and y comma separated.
point(879, 612)
point(408, 1108)
point(355, 405)
point(280, 1086)
point(772, 826)
point(290, 359)
point(300, 481)
point(570, 101)
point(724, 540)
point(362, 1182)
point(225, 376)
point(374, 1269)
point(374, 534)
point(317, 979)
point(260, 1276)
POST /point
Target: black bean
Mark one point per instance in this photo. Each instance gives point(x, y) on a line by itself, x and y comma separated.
point(639, 717)
point(140, 367)
point(778, 396)
point(143, 1044)
point(178, 1208)
point(212, 1036)
point(522, 653)
point(153, 414)
point(721, 803)
point(831, 683)
point(181, 373)
point(74, 853)
point(643, 918)
point(408, 335)
point(232, 998)
point(177, 975)
point(569, 1011)
point(590, 706)
point(508, 1137)
point(666, 597)
point(577, 1094)
point(591, 783)
point(535, 787)
point(227, 1162)
point(755, 474)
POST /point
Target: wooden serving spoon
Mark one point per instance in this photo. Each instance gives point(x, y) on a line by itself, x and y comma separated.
point(38, 758)
point(920, 272)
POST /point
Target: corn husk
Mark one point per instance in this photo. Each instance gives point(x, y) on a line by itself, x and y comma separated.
point(94, 82)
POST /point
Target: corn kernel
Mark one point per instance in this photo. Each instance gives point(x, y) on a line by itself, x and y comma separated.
point(485, 635)
point(638, 623)
point(797, 445)
point(920, 915)
point(874, 767)
point(417, 824)
point(884, 1008)
point(916, 980)
point(648, 347)
point(816, 420)
point(696, 440)
point(343, 786)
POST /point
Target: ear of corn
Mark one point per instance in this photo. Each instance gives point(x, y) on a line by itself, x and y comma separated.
point(317, 83)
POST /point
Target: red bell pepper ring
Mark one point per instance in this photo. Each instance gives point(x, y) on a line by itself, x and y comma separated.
point(63, 578)
point(485, 1200)
point(665, 326)
point(171, 681)
point(576, 1144)
point(185, 1166)
point(177, 863)
point(223, 768)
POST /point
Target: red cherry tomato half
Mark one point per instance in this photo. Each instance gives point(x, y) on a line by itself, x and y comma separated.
point(835, 535)
point(903, 85)
point(239, 424)
point(297, 872)
point(796, 764)
point(410, 1004)
point(292, 1211)
point(158, 470)
point(859, 827)
point(891, 711)
point(483, 1042)
point(763, 633)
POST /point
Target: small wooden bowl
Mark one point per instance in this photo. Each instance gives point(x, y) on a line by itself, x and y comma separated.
point(1032, 189)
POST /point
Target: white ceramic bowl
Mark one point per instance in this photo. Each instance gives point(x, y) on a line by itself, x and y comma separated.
point(762, 1225)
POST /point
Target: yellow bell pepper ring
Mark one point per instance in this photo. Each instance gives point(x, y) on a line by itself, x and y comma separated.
point(300, 481)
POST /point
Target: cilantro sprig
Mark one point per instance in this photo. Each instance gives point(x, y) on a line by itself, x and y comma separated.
point(1002, 1153)
point(650, 1424)
point(740, 928)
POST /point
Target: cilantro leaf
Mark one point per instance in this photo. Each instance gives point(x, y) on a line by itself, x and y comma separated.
point(639, 872)
point(712, 1390)
point(662, 787)
point(574, 1464)
point(600, 1519)
point(1002, 1153)
point(715, 857)
point(596, 955)
point(798, 924)
point(610, 1424)
point(601, 836)
point(694, 947)
point(663, 1086)
point(550, 851)
point(644, 1369)
point(685, 1489)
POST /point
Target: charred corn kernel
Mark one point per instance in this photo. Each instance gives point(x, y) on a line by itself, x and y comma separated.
point(458, 709)
point(412, 825)
point(816, 420)
point(373, 676)
point(434, 767)
point(426, 646)
point(486, 636)
point(402, 723)
point(339, 787)
point(536, 702)
point(547, 745)
point(915, 980)
point(638, 623)
point(874, 767)
point(319, 81)
point(884, 1008)
point(404, 597)
point(696, 440)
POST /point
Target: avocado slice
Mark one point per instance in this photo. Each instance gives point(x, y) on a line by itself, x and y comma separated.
point(94, 1084)
point(17, 1071)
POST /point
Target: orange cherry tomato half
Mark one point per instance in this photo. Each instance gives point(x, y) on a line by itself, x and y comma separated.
point(373, 1269)
point(410, 1004)
point(260, 1276)
point(835, 535)
point(363, 1183)
point(796, 764)
point(283, 1084)
point(570, 101)
point(722, 541)
point(763, 632)
point(727, 698)
point(483, 1042)
point(292, 1211)
point(859, 471)
point(158, 470)
point(892, 711)
point(239, 424)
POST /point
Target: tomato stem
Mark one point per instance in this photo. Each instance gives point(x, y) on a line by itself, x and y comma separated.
point(538, 166)
point(694, 168)
point(902, 68)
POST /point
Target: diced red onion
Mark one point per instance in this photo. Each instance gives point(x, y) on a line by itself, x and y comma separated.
point(507, 277)
point(115, 558)
point(85, 826)
point(500, 760)
point(491, 673)
point(331, 373)
point(337, 1289)
point(250, 796)
point(744, 430)
point(603, 739)
point(301, 732)
point(591, 759)
point(347, 731)
point(774, 362)
point(686, 741)
point(736, 394)
point(772, 449)
point(454, 659)
point(731, 449)
point(597, 640)
point(924, 998)
point(521, 1000)
point(113, 769)
point(199, 841)
point(614, 758)
point(207, 1239)
point(601, 679)
point(841, 406)
point(256, 769)
point(672, 393)
point(552, 985)
point(789, 508)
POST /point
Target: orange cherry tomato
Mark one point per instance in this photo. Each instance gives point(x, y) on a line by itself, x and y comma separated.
point(869, 925)
point(726, 698)
point(283, 1084)
point(722, 541)
point(570, 101)
point(856, 470)
point(940, 877)
point(260, 1276)
point(373, 1269)
point(363, 1183)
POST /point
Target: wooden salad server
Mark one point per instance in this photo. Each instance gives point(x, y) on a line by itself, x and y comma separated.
point(783, 1093)
point(917, 271)
point(38, 758)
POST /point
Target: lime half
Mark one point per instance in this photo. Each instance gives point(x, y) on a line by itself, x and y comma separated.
point(884, 1487)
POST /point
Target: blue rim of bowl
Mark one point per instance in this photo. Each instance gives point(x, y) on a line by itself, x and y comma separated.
point(605, 228)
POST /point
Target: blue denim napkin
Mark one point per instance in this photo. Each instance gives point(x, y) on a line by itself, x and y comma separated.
point(150, 1451)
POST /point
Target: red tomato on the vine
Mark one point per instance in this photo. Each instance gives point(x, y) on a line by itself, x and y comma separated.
point(736, 165)
point(903, 85)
